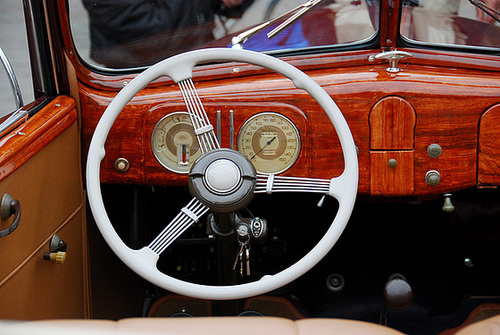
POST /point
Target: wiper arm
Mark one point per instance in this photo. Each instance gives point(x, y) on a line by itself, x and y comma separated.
point(298, 12)
point(490, 11)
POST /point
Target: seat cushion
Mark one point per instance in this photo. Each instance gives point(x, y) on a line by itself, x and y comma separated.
point(199, 325)
point(489, 326)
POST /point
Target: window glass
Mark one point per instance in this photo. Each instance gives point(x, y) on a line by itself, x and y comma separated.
point(134, 33)
point(452, 22)
point(14, 43)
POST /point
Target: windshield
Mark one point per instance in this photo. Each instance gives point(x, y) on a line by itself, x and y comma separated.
point(467, 23)
point(130, 33)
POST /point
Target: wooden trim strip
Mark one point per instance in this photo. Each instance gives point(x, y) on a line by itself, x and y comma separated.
point(32, 136)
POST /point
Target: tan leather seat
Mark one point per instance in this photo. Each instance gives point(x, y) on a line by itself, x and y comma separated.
point(200, 325)
point(219, 326)
point(489, 326)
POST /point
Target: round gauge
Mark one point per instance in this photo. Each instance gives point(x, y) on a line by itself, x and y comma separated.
point(271, 142)
point(174, 143)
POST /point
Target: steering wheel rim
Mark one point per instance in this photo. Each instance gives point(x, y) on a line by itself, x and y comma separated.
point(179, 68)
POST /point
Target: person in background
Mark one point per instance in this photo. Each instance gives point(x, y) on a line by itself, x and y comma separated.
point(134, 33)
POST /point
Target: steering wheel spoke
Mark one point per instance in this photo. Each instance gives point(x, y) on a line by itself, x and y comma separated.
point(184, 219)
point(203, 129)
point(269, 183)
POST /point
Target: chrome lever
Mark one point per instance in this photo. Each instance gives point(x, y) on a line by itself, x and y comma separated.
point(392, 57)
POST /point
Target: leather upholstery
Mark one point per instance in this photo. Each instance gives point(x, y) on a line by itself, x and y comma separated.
point(489, 326)
point(200, 325)
point(220, 326)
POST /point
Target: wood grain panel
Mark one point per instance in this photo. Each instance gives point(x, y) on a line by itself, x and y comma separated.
point(33, 135)
point(389, 180)
point(392, 124)
point(125, 137)
point(489, 147)
point(447, 104)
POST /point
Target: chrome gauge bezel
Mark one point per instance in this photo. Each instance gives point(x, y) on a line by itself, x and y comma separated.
point(295, 134)
point(164, 161)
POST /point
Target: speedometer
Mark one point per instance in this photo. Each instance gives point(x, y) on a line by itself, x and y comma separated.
point(271, 142)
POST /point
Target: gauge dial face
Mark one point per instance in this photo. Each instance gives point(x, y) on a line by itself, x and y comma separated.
point(174, 143)
point(271, 142)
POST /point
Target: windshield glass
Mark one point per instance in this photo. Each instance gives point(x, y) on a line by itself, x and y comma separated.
point(118, 34)
point(470, 23)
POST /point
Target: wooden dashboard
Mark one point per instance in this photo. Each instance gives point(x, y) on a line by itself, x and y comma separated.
point(424, 131)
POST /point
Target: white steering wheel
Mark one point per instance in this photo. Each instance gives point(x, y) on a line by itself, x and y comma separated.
point(143, 261)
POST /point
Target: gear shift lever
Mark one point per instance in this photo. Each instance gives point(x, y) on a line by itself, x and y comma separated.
point(398, 295)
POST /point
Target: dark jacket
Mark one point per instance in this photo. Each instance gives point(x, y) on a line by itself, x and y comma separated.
point(128, 33)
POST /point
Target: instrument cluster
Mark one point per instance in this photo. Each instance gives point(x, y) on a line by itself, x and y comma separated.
point(270, 140)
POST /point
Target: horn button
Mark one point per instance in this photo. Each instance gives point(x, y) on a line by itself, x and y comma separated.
point(223, 180)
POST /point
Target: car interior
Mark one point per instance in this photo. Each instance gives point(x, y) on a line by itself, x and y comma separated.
point(252, 166)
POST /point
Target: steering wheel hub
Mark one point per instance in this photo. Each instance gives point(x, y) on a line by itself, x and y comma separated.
point(224, 180)
point(222, 176)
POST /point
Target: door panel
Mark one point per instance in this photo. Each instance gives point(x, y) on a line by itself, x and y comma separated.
point(40, 167)
point(489, 147)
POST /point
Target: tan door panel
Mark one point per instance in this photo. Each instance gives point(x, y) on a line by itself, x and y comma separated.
point(41, 168)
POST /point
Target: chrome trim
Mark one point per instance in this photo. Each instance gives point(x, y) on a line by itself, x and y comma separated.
point(231, 129)
point(219, 124)
point(19, 115)
point(13, 80)
point(13, 121)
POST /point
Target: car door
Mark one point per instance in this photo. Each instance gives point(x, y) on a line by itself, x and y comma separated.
point(42, 231)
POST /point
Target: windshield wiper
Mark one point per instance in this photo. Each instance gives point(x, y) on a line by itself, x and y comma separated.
point(298, 12)
point(490, 11)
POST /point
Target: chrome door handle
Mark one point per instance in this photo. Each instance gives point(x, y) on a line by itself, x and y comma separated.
point(392, 57)
point(9, 206)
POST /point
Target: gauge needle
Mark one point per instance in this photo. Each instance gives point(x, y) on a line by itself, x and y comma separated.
point(268, 143)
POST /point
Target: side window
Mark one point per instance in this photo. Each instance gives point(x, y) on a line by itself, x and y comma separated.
point(14, 43)
point(452, 22)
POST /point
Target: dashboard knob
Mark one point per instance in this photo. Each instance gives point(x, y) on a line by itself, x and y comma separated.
point(398, 294)
point(448, 205)
point(434, 150)
point(57, 257)
point(122, 165)
point(432, 177)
